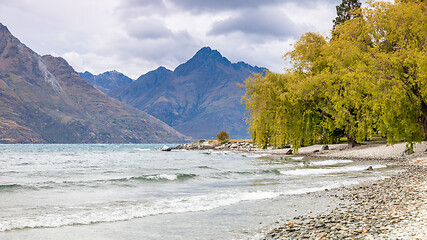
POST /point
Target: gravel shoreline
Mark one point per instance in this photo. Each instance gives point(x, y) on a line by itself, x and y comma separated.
point(365, 151)
point(393, 208)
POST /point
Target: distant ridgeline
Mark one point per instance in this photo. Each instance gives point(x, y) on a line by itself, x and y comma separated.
point(43, 100)
point(107, 81)
point(199, 98)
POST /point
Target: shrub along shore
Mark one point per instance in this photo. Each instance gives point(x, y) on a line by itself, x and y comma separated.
point(393, 208)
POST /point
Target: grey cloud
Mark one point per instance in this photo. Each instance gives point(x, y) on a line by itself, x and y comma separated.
point(128, 33)
point(215, 5)
point(142, 4)
point(165, 7)
point(263, 23)
point(221, 5)
point(135, 8)
point(172, 49)
point(148, 28)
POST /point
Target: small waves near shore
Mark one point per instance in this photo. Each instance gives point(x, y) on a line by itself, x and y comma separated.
point(76, 188)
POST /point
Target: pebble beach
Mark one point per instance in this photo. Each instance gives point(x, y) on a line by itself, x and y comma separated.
point(393, 208)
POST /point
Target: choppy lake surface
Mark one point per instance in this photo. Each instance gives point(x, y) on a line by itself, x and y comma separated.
point(137, 192)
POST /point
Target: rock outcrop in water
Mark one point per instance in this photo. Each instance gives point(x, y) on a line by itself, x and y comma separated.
point(206, 145)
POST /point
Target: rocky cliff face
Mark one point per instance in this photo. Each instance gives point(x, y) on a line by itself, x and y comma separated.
point(107, 81)
point(43, 100)
point(199, 98)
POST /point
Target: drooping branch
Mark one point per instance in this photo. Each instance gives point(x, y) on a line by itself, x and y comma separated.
point(325, 114)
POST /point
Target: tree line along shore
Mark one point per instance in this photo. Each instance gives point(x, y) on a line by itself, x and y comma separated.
point(369, 76)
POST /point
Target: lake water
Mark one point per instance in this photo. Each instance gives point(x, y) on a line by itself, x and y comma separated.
point(137, 192)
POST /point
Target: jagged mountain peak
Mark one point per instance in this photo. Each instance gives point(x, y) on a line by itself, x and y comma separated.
point(107, 81)
point(205, 56)
point(153, 78)
point(8, 41)
point(161, 68)
point(60, 62)
point(243, 65)
point(113, 73)
point(207, 52)
point(199, 98)
point(160, 71)
point(18, 59)
point(4, 29)
point(42, 99)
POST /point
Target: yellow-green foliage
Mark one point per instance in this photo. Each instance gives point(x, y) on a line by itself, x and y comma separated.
point(277, 115)
point(222, 137)
point(370, 76)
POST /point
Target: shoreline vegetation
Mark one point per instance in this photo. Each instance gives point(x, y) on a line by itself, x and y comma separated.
point(392, 208)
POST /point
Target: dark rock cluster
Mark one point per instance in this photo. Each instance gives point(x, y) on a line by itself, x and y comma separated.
point(239, 146)
point(205, 145)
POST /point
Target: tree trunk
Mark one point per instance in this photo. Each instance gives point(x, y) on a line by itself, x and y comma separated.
point(350, 141)
point(423, 122)
point(423, 118)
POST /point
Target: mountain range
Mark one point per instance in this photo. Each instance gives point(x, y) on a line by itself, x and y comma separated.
point(200, 98)
point(43, 100)
point(107, 81)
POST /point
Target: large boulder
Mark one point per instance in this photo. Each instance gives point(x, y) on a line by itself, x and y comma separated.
point(325, 147)
point(166, 148)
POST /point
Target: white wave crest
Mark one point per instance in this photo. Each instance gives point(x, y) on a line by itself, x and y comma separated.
point(170, 177)
point(326, 162)
point(142, 149)
point(324, 171)
point(120, 211)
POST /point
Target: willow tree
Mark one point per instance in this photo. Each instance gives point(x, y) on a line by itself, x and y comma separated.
point(399, 36)
point(336, 77)
point(388, 43)
point(370, 76)
point(277, 116)
point(320, 95)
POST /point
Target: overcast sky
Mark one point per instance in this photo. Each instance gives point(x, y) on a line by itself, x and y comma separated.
point(136, 36)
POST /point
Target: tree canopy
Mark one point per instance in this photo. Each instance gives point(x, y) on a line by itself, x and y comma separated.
point(345, 11)
point(371, 76)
